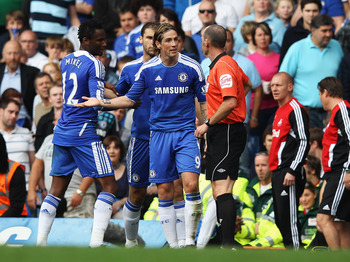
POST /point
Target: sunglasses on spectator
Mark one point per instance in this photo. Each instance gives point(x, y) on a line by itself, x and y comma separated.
point(210, 11)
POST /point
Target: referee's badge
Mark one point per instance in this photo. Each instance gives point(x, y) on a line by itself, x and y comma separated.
point(182, 77)
point(135, 178)
point(152, 173)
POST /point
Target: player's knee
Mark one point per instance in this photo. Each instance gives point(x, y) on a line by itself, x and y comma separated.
point(322, 220)
point(191, 186)
point(137, 196)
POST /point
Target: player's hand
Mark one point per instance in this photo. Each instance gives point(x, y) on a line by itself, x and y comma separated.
point(256, 228)
point(152, 190)
point(239, 224)
point(137, 104)
point(111, 87)
point(347, 180)
point(32, 199)
point(289, 179)
point(201, 130)
point(76, 200)
point(253, 123)
point(91, 102)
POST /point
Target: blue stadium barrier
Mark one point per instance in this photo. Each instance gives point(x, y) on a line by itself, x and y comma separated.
point(69, 232)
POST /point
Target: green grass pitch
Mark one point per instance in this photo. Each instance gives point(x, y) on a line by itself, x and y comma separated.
point(75, 254)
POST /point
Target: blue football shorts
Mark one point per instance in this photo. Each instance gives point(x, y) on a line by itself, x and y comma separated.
point(138, 162)
point(172, 153)
point(92, 160)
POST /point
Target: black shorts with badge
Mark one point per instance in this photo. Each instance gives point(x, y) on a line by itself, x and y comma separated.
point(225, 144)
point(336, 198)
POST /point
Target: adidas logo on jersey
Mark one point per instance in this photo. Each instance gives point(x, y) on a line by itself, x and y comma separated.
point(158, 78)
point(284, 193)
point(221, 170)
point(326, 207)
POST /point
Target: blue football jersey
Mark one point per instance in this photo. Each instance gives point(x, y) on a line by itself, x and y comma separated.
point(119, 46)
point(82, 75)
point(140, 125)
point(172, 90)
point(133, 46)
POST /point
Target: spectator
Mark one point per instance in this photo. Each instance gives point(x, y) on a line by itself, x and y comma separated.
point(259, 227)
point(30, 46)
point(206, 14)
point(67, 48)
point(307, 213)
point(182, 45)
point(179, 6)
point(15, 20)
point(85, 9)
point(345, 75)
point(128, 21)
point(146, 12)
point(19, 76)
point(246, 31)
point(42, 104)
point(267, 138)
point(54, 70)
point(226, 17)
point(316, 136)
point(313, 172)
point(50, 18)
point(266, 62)
point(53, 46)
point(284, 11)
point(11, 93)
point(12, 185)
point(310, 60)
point(116, 151)
point(45, 125)
point(309, 9)
point(333, 8)
point(19, 141)
point(263, 12)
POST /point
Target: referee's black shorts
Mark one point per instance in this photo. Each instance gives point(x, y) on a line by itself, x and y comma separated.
point(226, 143)
point(336, 198)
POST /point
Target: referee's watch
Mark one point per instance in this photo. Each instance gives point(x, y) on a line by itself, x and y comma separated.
point(79, 192)
point(207, 122)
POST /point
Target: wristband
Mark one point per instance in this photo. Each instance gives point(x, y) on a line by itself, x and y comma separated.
point(254, 119)
point(79, 192)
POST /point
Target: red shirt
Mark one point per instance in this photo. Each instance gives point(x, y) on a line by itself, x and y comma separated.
point(226, 79)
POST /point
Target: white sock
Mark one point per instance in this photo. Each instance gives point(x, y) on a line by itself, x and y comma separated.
point(46, 217)
point(180, 223)
point(131, 217)
point(193, 211)
point(102, 214)
point(167, 219)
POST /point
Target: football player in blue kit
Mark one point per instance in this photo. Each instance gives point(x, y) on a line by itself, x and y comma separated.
point(173, 81)
point(76, 143)
point(138, 152)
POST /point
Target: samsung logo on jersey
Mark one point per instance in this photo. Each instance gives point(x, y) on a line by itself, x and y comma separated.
point(73, 61)
point(171, 90)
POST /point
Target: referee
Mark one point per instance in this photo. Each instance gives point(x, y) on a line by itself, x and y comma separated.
point(226, 108)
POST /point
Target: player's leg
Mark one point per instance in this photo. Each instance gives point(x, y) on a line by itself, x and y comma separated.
point(93, 161)
point(163, 173)
point(179, 205)
point(188, 164)
point(343, 229)
point(326, 225)
point(131, 214)
point(331, 206)
point(166, 210)
point(138, 176)
point(62, 169)
point(225, 146)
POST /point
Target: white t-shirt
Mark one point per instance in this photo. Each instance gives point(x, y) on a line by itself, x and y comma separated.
point(38, 60)
point(225, 16)
point(263, 189)
point(19, 143)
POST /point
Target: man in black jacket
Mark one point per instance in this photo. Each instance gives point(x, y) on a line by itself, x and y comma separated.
point(309, 9)
point(16, 75)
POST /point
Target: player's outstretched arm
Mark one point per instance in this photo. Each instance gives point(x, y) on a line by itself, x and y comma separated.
point(119, 102)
